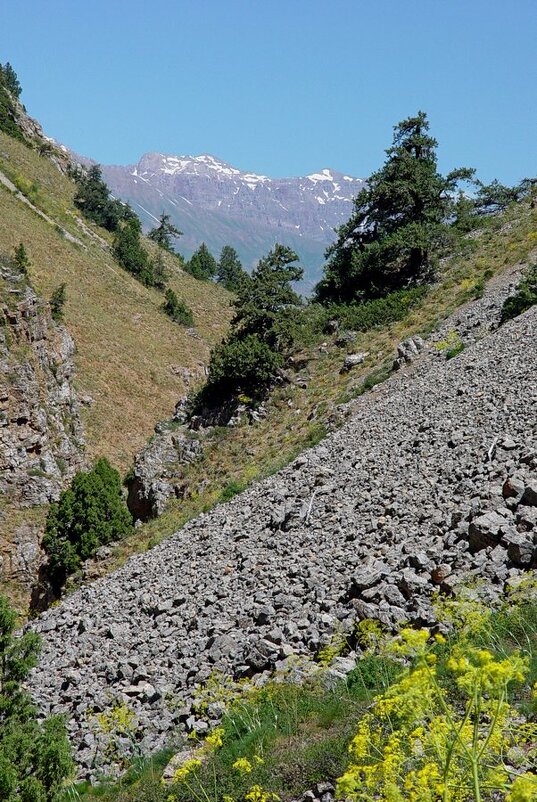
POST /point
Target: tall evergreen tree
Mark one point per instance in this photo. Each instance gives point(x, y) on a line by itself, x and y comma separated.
point(230, 272)
point(398, 222)
point(266, 297)
point(202, 265)
point(8, 77)
point(128, 251)
point(164, 232)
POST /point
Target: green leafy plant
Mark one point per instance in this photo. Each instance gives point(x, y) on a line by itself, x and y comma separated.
point(57, 302)
point(175, 308)
point(35, 757)
point(89, 514)
point(524, 298)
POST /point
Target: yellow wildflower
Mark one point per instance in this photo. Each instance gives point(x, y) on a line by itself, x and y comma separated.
point(242, 765)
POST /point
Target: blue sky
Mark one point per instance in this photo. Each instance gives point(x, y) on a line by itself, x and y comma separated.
point(281, 87)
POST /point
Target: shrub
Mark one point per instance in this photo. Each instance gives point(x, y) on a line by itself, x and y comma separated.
point(202, 265)
point(21, 258)
point(379, 312)
point(35, 756)
point(177, 309)
point(128, 251)
point(57, 302)
point(524, 298)
point(89, 514)
point(241, 366)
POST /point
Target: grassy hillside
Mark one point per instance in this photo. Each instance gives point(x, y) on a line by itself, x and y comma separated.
point(128, 351)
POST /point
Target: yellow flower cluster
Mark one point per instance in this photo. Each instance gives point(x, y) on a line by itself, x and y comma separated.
point(187, 768)
point(417, 745)
point(259, 794)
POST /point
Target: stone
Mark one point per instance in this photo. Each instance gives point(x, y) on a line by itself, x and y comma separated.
point(353, 360)
point(485, 530)
point(529, 496)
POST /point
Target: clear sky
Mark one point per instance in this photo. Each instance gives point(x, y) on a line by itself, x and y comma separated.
point(281, 87)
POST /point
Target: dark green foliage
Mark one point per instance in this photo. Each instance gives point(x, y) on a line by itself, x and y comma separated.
point(57, 302)
point(10, 89)
point(248, 361)
point(90, 513)
point(21, 258)
point(35, 757)
point(230, 272)
point(380, 312)
point(94, 201)
point(266, 298)
point(177, 309)
point(241, 365)
point(164, 232)
point(495, 197)
point(524, 297)
point(9, 79)
point(202, 265)
point(129, 252)
point(399, 223)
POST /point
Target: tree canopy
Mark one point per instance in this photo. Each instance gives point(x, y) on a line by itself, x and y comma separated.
point(230, 272)
point(398, 222)
point(202, 264)
point(164, 232)
point(94, 201)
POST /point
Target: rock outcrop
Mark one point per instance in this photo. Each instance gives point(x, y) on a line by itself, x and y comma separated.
point(431, 483)
point(41, 438)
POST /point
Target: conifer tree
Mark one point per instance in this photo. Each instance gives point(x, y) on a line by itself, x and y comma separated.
point(89, 514)
point(163, 233)
point(202, 265)
point(230, 272)
point(398, 222)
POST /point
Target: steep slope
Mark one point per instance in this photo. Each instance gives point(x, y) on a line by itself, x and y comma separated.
point(214, 202)
point(432, 482)
point(132, 362)
point(41, 439)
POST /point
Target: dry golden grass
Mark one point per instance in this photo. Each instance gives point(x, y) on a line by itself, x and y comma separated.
point(128, 350)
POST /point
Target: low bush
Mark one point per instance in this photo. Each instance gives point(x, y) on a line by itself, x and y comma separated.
point(89, 514)
point(379, 312)
point(175, 308)
point(35, 757)
point(524, 298)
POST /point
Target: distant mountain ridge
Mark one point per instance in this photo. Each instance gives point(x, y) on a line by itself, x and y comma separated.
point(214, 202)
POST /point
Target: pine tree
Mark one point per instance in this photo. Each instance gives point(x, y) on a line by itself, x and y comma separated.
point(8, 77)
point(164, 232)
point(266, 298)
point(399, 221)
point(128, 251)
point(230, 272)
point(202, 265)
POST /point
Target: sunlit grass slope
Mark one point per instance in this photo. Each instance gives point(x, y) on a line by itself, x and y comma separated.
point(128, 352)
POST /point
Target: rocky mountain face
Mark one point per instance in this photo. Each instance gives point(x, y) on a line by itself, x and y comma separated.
point(41, 438)
point(214, 202)
point(431, 483)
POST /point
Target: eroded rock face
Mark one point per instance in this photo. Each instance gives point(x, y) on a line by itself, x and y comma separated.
point(41, 437)
point(430, 484)
point(158, 469)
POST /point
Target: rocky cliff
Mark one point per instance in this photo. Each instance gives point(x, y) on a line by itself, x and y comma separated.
point(41, 438)
point(431, 483)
